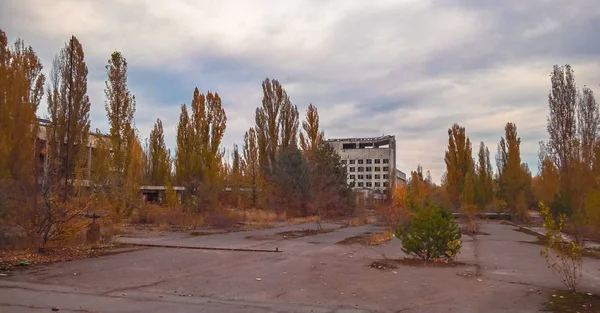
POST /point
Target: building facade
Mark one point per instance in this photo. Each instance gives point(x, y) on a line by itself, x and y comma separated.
point(370, 162)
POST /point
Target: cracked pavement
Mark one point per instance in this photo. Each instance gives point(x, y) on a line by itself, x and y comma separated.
point(504, 273)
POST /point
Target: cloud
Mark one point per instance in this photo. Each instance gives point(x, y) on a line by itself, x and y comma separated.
point(409, 68)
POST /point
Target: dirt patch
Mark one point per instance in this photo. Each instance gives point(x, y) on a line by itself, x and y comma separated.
point(396, 263)
point(565, 301)
point(10, 260)
point(291, 234)
point(367, 239)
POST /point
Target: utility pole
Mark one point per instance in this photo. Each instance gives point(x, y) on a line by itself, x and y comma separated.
point(69, 106)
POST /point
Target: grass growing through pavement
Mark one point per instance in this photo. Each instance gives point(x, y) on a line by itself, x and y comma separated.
point(568, 302)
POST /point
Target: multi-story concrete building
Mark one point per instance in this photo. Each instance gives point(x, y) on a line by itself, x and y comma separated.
point(370, 162)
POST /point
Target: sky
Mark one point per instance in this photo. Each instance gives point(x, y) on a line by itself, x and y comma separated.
point(409, 68)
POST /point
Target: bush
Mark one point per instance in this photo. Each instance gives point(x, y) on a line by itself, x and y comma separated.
point(432, 235)
point(563, 256)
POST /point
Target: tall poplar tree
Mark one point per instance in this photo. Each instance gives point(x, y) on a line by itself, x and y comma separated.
point(159, 157)
point(251, 164)
point(69, 109)
point(313, 135)
point(199, 137)
point(458, 162)
point(120, 107)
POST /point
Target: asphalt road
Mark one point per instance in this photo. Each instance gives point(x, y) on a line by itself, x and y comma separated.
point(504, 273)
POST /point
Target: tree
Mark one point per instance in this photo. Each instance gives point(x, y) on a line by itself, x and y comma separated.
point(159, 157)
point(251, 165)
point(120, 107)
point(432, 235)
point(562, 123)
point(289, 125)
point(329, 191)
point(235, 175)
point(291, 173)
point(276, 124)
point(199, 156)
point(69, 109)
point(510, 172)
point(312, 136)
point(21, 90)
point(458, 162)
point(563, 256)
point(484, 177)
point(417, 189)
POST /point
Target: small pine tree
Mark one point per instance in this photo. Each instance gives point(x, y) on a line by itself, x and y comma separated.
point(432, 235)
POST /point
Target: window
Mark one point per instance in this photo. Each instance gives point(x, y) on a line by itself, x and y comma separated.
point(352, 176)
point(360, 161)
point(369, 184)
point(386, 176)
point(352, 184)
point(386, 161)
point(352, 161)
point(368, 168)
point(377, 184)
point(360, 184)
point(386, 169)
point(369, 176)
point(344, 161)
point(361, 176)
point(377, 161)
point(377, 176)
point(385, 184)
point(352, 169)
point(377, 168)
point(369, 161)
point(360, 169)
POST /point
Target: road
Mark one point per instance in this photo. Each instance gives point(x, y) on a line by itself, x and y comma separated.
point(504, 273)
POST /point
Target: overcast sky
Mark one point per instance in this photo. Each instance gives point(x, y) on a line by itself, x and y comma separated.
point(408, 68)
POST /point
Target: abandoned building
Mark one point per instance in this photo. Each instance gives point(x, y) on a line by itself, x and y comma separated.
point(370, 162)
point(146, 193)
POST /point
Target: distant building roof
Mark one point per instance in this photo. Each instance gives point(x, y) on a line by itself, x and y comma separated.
point(361, 139)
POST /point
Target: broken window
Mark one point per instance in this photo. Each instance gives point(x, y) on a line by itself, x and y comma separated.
point(368, 168)
point(385, 184)
point(377, 168)
point(377, 161)
point(361, 161)
point(386, 161)
point(385, 168)
point(377, 184)
point(360, 168)
point(360, 184)
point(369, 176)
point(377, 176)
point(352, 184)
point(386, 176)
point(369, 184)
point(352, 169)
point(349, 146)
point(361, 176)
point(352, 161)
point(352, 176)
point(369, 161)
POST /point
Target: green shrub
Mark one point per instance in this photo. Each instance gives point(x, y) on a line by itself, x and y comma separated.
point(432, 235)
point(563, 256)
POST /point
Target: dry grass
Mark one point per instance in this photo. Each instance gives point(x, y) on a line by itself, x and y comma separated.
point(165, 218)
point(379, 238)
point(303, 220)
point(357, 222)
